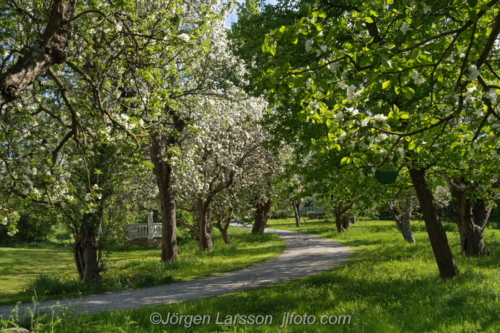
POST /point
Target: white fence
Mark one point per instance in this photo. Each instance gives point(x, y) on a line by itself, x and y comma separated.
point(144, 230)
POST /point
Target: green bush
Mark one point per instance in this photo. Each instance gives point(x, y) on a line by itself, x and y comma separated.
point(450, 226)
point(35, 225)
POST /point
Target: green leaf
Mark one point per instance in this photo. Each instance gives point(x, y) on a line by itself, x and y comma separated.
point(412, 145)
point(386, 84)
point(345, 160)
point(319, 26)
point(368, 19)
point(335, 146)
point(365, 62)
point(324, 84)
point(320, 13)
point(414, 53)
point(472, 3)
point(408, 92)
point(473, 15)
point(484, 7)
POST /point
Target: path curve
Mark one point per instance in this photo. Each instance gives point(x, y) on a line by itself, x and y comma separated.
point(305, 255)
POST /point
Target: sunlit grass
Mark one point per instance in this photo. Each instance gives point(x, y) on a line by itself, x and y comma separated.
point(53, 274)
point(387, 286)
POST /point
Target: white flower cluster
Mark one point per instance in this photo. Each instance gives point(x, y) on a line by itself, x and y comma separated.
point(473, 73)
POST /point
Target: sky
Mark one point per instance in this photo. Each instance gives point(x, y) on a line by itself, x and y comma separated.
point(233, 17)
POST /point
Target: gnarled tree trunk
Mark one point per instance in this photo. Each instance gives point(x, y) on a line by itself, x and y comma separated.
point(346, 222)
point(164, 179)
point(296, 211)
point(470, 215)
point(49, 49)
point(160, 143)
point(204, 227)
point(85, 249)
point(262, 209)
point(403, 219)
point(437, 235)
point(341, 219)
point(223, 225)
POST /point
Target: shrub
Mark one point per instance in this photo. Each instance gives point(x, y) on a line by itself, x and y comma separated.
point(35, 225)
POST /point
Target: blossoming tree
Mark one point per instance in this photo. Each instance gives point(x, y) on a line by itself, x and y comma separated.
point(409, 84)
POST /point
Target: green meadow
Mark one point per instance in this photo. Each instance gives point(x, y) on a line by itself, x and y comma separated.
point(388, 285)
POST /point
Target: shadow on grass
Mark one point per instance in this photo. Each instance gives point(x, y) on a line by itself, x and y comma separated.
point(387, 286)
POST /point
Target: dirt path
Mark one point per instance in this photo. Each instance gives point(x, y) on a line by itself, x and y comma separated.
point(304, 255)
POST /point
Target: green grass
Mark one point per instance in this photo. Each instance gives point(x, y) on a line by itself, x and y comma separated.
point(52, 273)
point(387, 286)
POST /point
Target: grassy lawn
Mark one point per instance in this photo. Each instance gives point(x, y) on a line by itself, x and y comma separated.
point(53, 275)
point(387, 286)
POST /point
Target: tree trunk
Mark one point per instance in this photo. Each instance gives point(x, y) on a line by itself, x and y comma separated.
point(223, 224)
point(296, 211)
point(261, 216)
point(49, 49)
point(437, 235)
point(470, 216)
point(223, 229)
point(85, 249)
point(346, 223)
point(337, 212)
point(403, 221)
point(204, 227)
point(164, 179)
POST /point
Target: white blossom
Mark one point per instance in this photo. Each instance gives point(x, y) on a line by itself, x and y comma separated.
point(184, 37)
point(309, 44)
point(417, 78)
point(352, 111)
point(401, 152)
point(353, 93)
point(314, 105)
point(333, 67)
point(473, 73)
point(404, 27)
point(491, 95)
point(380, 118)
point(309, 83)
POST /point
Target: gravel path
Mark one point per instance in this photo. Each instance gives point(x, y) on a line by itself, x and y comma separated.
point(304, 255)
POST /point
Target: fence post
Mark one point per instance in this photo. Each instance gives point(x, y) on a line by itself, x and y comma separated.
point(150, 224)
